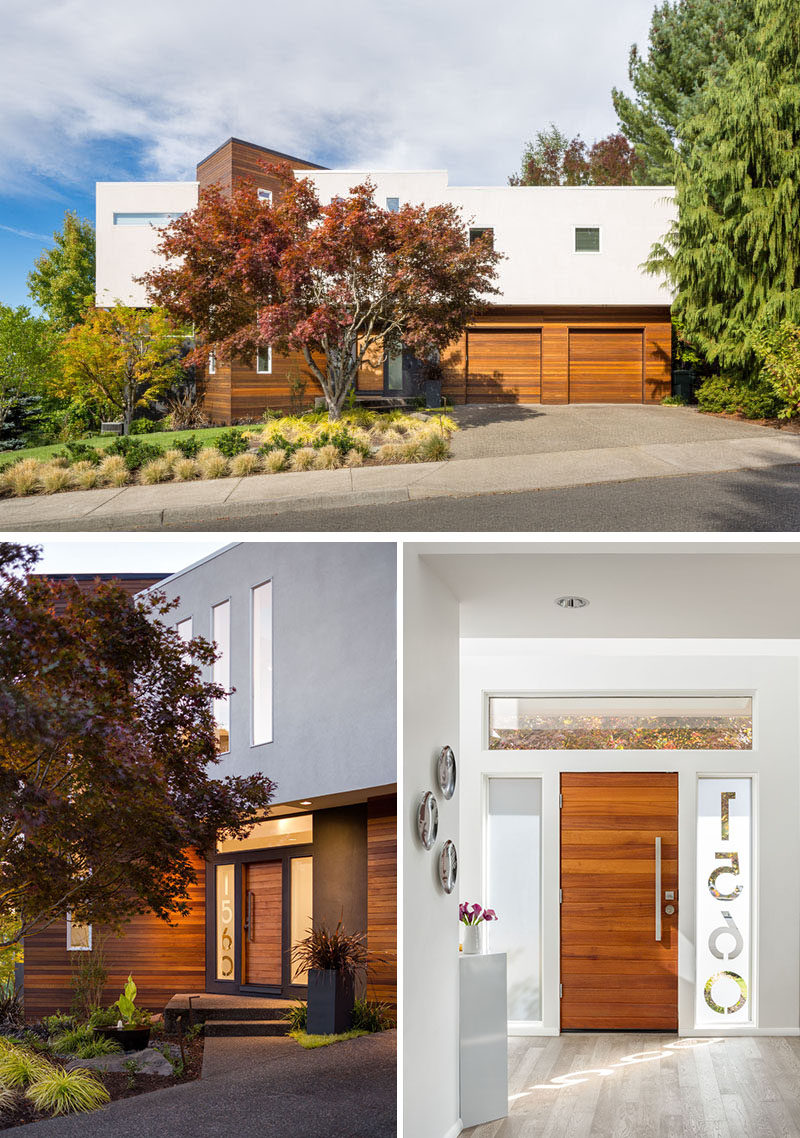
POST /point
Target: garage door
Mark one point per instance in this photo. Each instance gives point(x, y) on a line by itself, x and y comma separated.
point(606, 366)
point(504, 366)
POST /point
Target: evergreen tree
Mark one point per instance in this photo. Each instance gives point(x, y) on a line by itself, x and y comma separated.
point(690, 42)
point(733, 256)
point(62, 280)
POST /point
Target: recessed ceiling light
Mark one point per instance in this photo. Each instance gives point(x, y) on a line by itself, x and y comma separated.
point(571, 602)
point(306, 802)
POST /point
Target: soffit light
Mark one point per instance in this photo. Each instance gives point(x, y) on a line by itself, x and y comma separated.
point(571, 602)
point(306, 802)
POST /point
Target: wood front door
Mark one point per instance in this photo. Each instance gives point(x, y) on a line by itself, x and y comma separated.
point(606, 366)
point(619, 860)
point(262, 915)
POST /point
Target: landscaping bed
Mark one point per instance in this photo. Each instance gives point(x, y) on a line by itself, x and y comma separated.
point(290, 443)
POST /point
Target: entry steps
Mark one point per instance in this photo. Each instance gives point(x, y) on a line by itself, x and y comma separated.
point(229, 1015)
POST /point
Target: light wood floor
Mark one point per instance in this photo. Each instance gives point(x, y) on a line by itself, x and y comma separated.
point(729, 1088)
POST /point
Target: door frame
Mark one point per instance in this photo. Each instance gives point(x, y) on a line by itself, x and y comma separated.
point(236, 986)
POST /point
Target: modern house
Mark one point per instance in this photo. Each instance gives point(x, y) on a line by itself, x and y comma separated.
point(577, 319)
point(627, 744)
point(306, 634)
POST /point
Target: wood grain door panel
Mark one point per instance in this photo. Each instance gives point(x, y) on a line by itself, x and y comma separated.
point(504, 366)
point(263, 941)
point(606, 365)
point(615, 975)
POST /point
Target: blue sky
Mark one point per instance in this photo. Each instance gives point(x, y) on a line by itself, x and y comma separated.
point(92, 92)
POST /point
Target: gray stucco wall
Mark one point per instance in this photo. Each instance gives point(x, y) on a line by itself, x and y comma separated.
point(334, 659)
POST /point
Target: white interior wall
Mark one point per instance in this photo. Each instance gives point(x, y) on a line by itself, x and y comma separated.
point(430, 926)
point(769, 670)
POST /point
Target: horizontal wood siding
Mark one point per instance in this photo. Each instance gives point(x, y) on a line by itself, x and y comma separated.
point(504, 365)
point(382, 898)
point(163, 959)
point(606, 365)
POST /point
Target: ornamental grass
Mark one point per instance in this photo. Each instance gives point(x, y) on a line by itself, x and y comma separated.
point(275, 461)
point(113, 471)
point(328, 458)
point(304, 459)
point(53, 477)
point(22, 478)
point(85, 475)
point(19, 1067)
point(67, 1092)
point(185, 469)
point(157, 470)
point(212, 464)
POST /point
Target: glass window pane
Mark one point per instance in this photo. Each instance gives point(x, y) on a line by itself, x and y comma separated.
point(184, 629)
point(264, 360)
point(514, 889)
point(221, 634)
point(296, 830)
point(145, 218)
point(587, 240)
point(393, 205)
point(302, 906)
point(637, 723)
point(79, 936)
point(394, 370)
point(261, 654)
point(724, 885)
point(225, 918)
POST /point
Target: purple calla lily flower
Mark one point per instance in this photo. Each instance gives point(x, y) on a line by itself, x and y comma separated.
point(473, 914)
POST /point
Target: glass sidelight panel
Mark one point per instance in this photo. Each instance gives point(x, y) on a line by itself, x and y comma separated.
point(638, 723)
point(724, 906)
point(302, 907)
point(514, 888)
point(225, 917)
point(394, 372)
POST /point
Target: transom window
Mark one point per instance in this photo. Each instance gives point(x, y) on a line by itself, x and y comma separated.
point(145, 218)
point(587, 239)
point(264, 360)
point(636, 723)
point(486, 235)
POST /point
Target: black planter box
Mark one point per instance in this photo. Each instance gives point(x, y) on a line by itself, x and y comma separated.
point(331, 996)
point(433, 392)
point(129, 1038)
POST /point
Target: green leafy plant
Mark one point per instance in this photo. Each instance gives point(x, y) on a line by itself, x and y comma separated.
point(297, 1017)
point(231, 443)
point(727, 394)
point(67, 1092)
point(146, 426)
point(19, 1066)
point(67, 1042)
point(104, 1017)
point(131, 1066)
point(194, 1032)
point(88, 980)
point(81, 452)
point(372, 1015)
point(189, 448)
point(778, 349)
point(134, 450)
point(177, 1062)
point(131, 1015)
point(674, 401)
point(58, 1023)
point(331, 949)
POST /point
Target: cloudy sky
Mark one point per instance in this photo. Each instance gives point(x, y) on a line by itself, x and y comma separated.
point(102, 91)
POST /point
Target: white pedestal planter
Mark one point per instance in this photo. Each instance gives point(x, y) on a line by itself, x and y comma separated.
point(483, 1005)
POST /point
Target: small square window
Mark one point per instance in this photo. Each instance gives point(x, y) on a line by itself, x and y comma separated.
point(587, 239)
point(264, 360)
point(486, 235)
point(265, 196)
point(212, 363)
point(393, 205)
point(79, 936)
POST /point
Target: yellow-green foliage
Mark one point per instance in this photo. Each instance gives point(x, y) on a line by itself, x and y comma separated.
point(328, 458)
point(172, 456)
point(304, 459)
point(243, 465)
point(67, 1092)
point(157, 470)
point(54, 477)
point(309, 1042)
point(23, 477)
point(113, 471)
point(275, 461)
point(391, 453)
point(19, 1067)
point(212, 464)
point(185, 469)
point(354, 458)
point(85, 475)
point(432, 447)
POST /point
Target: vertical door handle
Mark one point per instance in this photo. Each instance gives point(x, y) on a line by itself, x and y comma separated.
point(248, 924)
point(658, 888)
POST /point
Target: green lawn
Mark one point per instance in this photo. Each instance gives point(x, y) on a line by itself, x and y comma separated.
point(164, 439)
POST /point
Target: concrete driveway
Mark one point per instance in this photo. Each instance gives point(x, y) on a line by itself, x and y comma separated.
point(510, 429)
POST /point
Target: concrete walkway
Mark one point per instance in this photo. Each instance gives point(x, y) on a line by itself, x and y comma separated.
point(724, 446)
point(266, 1087)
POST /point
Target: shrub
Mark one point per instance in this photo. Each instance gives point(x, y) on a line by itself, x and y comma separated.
point(67, 1092)
point(58, 1023)
point(104, 1017)
point(371, 1015)
point(328, 458)
point(19, 1067)
point(82, 452)
point(304, 459)
point(85, 475)
point(674, 401)
point(54, 477)
point(779, 352)
point(755, 399)
point(89, 976)
point(189, 448)
point(135, 451)
point(432, 447)
point(297, 1017)
point(354, 458)
point(157, 470)
point(185, 469)
point(113, 470)
point(184, 412)
point(146, 426)
point(245, 464)
point(231, 443)
point(211, 463)
point(21, 478)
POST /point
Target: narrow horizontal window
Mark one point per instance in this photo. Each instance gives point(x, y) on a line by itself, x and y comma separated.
point(636, 723)
point(296, 830)
point(587, 239)
point(486, 235)
point(393, 205)
point(79, 936)
point(145, 218)
point(264, 360)
point(265, 196)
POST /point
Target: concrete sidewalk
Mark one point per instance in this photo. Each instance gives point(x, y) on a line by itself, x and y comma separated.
point(218, 501)
point(256, 1086)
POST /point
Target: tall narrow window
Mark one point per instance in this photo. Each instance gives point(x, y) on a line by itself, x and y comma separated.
point(225, 917)
point(184, 629)
point(394, 372)
point(221, 632)
point(261, 664)
point(264, 360)
point(724, 906)
point(212, 363)
point(301, 909)
point(514, 889)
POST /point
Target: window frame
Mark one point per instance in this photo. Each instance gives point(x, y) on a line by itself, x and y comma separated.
point(479, 231)
point(587, 252)
point(264, 370)
point(264, 195)
point(212, 363)
point(227, 702)
point(271, 665)
point(391, 208)
point(77, 947)
point(145, 218)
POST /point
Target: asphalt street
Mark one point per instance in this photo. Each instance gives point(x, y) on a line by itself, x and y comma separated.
point(738, 501)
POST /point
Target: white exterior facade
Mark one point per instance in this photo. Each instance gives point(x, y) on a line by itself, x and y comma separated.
point(533, 226)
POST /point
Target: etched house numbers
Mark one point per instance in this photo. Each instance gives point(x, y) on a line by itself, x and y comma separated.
point(724, 906)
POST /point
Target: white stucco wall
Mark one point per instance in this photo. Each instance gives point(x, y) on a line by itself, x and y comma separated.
point(125, 252)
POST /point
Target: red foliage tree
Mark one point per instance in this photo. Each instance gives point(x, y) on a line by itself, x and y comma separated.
point(554, 160)
point(613, 161)
point(106, 738)
point(331, 281)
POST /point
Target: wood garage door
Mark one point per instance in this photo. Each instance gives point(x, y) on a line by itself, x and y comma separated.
point(504, 366)
point(606, 365)
point(615, 974)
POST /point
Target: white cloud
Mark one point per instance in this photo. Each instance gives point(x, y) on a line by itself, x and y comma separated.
point(424, 83)
point(27, 233)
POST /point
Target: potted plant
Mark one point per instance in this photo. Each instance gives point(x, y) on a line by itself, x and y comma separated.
point(332, 958)
point(132, 1029)
point(472, 917)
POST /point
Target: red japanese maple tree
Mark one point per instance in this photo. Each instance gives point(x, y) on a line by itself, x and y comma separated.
point(337, 282)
